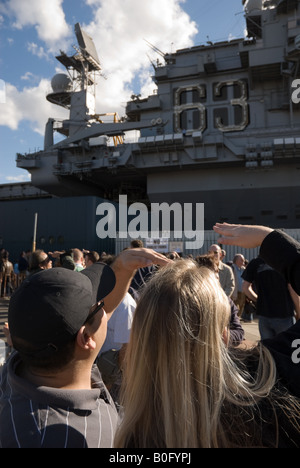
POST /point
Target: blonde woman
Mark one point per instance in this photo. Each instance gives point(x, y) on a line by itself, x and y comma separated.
point(183, 388)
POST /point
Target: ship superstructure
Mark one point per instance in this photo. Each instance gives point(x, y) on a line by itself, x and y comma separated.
point(222, 128)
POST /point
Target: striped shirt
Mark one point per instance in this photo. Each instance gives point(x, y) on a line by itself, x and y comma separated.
point(44, 417)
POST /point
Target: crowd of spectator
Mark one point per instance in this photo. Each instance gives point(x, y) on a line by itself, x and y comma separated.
point(152, 347)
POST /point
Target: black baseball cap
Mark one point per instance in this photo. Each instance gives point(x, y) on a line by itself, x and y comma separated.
point(50, 307)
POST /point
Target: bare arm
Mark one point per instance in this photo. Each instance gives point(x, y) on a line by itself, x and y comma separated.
point(296, 301)
point(240, 235)
point(125, 267)
point(248, 291)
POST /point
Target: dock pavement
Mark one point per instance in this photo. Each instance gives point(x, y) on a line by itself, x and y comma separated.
point(252, 334)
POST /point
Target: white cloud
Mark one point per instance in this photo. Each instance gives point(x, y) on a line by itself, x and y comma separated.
point(2, 92)
point(31, 105)
point(36, 50)
point(119, 28)
point(28, 76)
point(39, 51)
point(25, 177)
point(47, 16)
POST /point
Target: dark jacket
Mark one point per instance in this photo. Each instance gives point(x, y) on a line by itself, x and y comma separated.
point(283, 253)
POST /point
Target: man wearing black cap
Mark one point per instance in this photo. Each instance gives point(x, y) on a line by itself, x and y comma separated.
point(51, 394)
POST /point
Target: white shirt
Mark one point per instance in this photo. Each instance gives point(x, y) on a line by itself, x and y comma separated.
point(119, 325)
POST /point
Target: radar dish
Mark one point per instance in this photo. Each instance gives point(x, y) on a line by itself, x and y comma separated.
point(61, 83)
point(62, 90)
point(86, 44)
point(251, 5)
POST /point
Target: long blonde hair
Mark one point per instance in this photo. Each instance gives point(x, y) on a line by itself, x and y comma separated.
point(179, 377)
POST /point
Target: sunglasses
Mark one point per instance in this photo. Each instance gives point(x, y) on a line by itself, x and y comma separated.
point(94, 310)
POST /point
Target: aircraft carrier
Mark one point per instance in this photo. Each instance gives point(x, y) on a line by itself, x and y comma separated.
point(223, 127)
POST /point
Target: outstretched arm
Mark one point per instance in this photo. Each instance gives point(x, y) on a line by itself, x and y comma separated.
point(279, 250)
point(241, 235)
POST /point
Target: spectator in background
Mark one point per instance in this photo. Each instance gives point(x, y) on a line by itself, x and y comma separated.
point(2, 253)
point(63, 259)
point(226, 276)
point(237, 333)
point(78, 259)
point(23, 265)
point(238, 296)
point(274, 303)
point(39, 260)
point(90, 258)
point(223, 255)
point(8, 276)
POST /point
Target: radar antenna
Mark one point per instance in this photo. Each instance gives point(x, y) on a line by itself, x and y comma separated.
point(77, 90)
point(155, 49)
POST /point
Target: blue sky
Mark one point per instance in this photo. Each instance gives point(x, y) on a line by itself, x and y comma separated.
point(32, 32)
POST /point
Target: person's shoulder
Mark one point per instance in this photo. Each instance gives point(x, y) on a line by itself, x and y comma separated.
point(225, 267)
point(254, 264)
